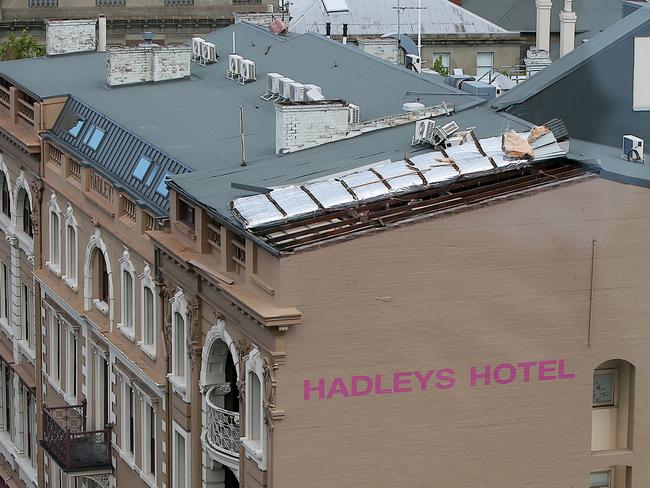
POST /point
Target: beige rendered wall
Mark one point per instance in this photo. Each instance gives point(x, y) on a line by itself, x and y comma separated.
point(464, 55)
point(505, 283)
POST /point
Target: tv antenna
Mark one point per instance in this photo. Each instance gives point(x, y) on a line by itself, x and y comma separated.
point(419, 8)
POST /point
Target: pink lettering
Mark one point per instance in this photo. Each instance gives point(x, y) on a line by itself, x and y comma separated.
point(526, 366)
point(320, 389)
point(355, 386)
point(511, 373)
point(423, 379)
point(563, 375)
point(545, 367)
point(378, 389)
point(475, 375)
point(402, 378)
point(338, 387)
point(445, 378)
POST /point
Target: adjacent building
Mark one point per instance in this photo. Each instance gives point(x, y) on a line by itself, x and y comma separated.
point(273, 276)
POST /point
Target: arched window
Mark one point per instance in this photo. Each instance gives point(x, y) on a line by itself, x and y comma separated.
point(71, 249)
point(255, 437)
point(180, 360)
point(5, 202)
point(178, 352)
point(54, 261)
point(100, 274)
point(127, 290)
point(27, 226)
point(612, 410)
point(254, 400)
point(148, 312)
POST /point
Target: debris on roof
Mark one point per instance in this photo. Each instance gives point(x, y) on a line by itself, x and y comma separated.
point(459, 157)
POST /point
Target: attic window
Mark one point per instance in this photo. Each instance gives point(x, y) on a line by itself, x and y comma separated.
point(332, 6)
point(76, 128)
point(141, 168)
point(93, 137)
point(162, 186)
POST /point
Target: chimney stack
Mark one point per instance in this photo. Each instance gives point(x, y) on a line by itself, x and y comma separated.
point(544, 24)
point(101, 36)
point(70, 36)
point(567, 28)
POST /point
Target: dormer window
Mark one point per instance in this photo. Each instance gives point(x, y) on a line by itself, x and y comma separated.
point(186, 213)
point(93, 137)
point(76, 128)
point(141, 168)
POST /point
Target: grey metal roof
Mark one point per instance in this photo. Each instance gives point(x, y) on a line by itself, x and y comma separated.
point(579, 57)
point(378, 17)
point(520, 15)
point(212, 187)
point(196, 121)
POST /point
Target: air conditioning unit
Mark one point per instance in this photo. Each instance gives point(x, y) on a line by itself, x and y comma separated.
point(310, 86)
point(424, 132)
point(246, 71)
point(297, 92)
point(354, 114)
point(633, 149)
point(234, 61)
point(441, 134)
point(284, 92)
point(314, 95)
point(271, 86)
point(208, 53)
point(197, 48)
point(414, 62)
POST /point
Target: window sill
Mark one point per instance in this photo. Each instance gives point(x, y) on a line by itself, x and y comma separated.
point(101, 306)
point(128, 332)
point(26, 242)
point(9, 330)
point(185, 229)
point(27, 351)
point(148, 349)
point(254, 451)
point(149, 479)
point(179, 385)
point(54, 269)
point(71, 283)
point(609, 452)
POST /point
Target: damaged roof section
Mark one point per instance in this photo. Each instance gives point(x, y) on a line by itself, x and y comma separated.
point(462, 156)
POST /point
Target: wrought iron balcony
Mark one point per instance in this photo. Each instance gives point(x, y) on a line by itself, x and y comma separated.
point(222, 432)
point(66, 439)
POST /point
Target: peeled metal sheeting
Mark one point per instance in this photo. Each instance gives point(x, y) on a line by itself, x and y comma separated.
point(294, 201)
point(256, 210)
point(330, 193)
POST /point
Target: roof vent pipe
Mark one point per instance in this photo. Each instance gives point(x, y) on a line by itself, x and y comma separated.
point(345, 33)
point(101, 35)
point(328, 30)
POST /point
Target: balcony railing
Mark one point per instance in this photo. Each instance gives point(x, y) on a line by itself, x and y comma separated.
point(66, 439)
point(26, 110)
point(222, 432)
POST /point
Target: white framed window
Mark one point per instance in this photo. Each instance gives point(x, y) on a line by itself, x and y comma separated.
point(444, 57)
point(600, 479)
point(127, 418)
point(180, 359)
point(29, 432)
point(54, 333)
point(255, 438)
point(71, 350)
point(148, 312)
point(99, 387)
point(5, 294)
point(54, 261)
point(5, 190)
point(181, 457)
point(149, 439)
point(6, 398)
point(27, 316)
point(484, 63)
point(641, 97)
point(127, 303)
point(71, 249)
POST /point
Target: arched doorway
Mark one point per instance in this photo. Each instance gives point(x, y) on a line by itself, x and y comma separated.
point(221, 429)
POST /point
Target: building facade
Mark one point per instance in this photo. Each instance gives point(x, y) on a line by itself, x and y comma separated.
point(385, 300)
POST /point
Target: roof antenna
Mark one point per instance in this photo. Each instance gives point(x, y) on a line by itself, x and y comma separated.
point(234, 51)
point(241, 135)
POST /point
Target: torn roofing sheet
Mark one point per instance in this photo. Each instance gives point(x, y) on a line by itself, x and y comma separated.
point(383, 180)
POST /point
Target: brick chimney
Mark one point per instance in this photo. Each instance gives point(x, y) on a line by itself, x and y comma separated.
point(69, 36)
point(147, 62)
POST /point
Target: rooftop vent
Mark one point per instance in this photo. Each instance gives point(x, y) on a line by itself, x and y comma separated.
point(150, 62)
point(69, 36)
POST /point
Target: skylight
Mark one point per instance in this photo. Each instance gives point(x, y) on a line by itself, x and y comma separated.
point(332, 6)
point(74, 130)
point(93, 137)
point(141, 168)
point(162, 186)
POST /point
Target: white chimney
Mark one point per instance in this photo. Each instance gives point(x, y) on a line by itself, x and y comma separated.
point(567, 28)
point(101, 35)
point(544, 24)
point(69, 36)
point(147, 62)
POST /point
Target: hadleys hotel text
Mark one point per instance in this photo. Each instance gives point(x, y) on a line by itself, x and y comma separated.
point(441, 379)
